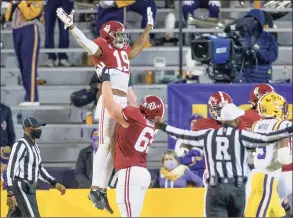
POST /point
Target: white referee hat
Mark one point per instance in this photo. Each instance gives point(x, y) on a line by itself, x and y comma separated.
point(231, 112)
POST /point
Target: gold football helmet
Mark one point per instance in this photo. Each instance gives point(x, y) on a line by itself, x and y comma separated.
point(273, 105)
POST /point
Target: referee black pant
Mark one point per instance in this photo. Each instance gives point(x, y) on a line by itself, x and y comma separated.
point(25, 194)
point(225, 200)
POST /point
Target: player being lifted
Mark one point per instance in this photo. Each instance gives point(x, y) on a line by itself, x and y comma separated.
point(110, 50)
point(264, 199)
point(134, 134)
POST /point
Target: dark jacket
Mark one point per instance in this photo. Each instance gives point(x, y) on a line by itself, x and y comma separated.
point(7, 134)
point(258, 68)
point(84, 167)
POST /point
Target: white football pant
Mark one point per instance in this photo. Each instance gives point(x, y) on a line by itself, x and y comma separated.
point(285, 185)
point(131, 189)
point(103, 163)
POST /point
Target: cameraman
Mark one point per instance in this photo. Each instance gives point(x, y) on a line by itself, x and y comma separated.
point(261, 50)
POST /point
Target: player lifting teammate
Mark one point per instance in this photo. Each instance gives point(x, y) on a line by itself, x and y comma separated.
point(264, 199)
point(110, 50)
point(134, 134)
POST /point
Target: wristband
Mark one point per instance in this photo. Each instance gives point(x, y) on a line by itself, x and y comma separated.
point(163, 127)
point(105, 76)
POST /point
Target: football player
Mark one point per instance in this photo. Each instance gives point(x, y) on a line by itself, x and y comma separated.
point(134, 134)
point(264, 199)
point(111, 50)
point(216, 102)
point(252, 115)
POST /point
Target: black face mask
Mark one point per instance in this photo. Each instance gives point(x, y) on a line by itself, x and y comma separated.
point(36, 133)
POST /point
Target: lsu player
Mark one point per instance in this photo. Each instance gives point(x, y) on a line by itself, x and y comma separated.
point(252, 115)
point(264, 199)
point(135, 131)
point(110, 50)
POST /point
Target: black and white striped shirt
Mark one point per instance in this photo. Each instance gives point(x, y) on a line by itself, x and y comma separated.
point(225, 149)
point(25, 162)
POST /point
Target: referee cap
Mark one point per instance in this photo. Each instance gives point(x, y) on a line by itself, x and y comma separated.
point(32, 122)
point(231, 112)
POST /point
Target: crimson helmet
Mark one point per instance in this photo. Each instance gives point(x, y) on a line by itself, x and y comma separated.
point(258, 91)
point(152, 106)
point(217, 102)
point(113, 32)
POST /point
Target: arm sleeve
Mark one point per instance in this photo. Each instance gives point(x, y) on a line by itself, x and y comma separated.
point(10, 128)
point(90, 46)
point(191, 177)
point(271, 53)
point(83, 181)
point(30, 10)
point(46, 177)
point(131, 114)
point(18, 149)
point(193, 138)
point(253, 140)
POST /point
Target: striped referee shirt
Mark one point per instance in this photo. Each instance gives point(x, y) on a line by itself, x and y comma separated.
point(25, 162)
point(225, 149)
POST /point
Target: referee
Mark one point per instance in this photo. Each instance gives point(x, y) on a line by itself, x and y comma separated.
point(225, 150)
point(24, 169)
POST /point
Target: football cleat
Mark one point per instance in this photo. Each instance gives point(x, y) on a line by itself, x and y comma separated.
point(107, 205)
point(96, 197)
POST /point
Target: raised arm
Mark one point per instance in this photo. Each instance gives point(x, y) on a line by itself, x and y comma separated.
point(115, 110)
point(193, 138)
point(253, 140)
point(142, 39)
point(91, 47)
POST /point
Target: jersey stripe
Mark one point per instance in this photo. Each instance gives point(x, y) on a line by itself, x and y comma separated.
point(277, 125)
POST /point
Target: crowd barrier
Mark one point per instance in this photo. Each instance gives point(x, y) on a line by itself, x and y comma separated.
point(184, 202)
point(185, 99)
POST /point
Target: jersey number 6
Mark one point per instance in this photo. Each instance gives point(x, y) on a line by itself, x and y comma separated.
point(145, 139)
point(124, 64)
point(261, 153)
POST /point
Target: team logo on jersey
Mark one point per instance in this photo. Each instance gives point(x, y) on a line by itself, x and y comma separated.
point(152, 106)
point(107, 28)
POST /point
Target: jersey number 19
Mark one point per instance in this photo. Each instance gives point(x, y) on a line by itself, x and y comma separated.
point(122, 61)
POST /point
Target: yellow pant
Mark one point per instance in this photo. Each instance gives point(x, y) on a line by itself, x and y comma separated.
point(264, 200)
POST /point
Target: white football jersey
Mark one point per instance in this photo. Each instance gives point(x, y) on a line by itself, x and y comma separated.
point(265, 159)
point(119, 80)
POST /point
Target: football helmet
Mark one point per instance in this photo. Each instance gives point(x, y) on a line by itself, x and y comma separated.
point(152, 106)
point(217, 102)
point(272, 105)
point(258, 91)
point(113, 33)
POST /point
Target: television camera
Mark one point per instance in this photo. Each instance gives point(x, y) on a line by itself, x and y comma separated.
point(224, 56)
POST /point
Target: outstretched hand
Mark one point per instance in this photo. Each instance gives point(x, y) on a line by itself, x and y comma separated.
point(66, 19)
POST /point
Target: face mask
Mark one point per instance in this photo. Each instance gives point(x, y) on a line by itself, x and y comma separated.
point(170, 164)
point(36, 133)
point(95, 139)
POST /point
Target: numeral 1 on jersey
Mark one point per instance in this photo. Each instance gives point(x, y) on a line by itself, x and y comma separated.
point(124, 64)
point(145, 139)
